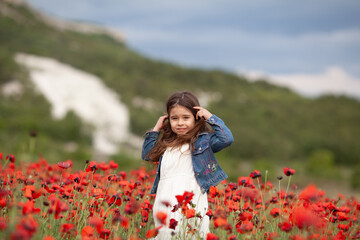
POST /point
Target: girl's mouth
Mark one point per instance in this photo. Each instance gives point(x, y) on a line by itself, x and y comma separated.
point(181, 129)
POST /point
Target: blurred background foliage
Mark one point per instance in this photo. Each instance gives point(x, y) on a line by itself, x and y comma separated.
point(272, 125)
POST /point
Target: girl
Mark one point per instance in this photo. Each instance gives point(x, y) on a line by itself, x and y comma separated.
point(184, 145)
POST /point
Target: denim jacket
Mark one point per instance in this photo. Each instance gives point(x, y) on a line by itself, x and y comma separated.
point(206, 169)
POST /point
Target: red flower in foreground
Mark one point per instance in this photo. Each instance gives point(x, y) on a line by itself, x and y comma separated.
point(161, 216)
point(190, 213)
point(220, 222)
point(48, 238)
point(173, 223)
point(255, 174)
point(213, 191)
point(87, 231)
point(97, 223)
point(1, 156)
point(304, 218)
point(211, 236)
point(288, 171)
point(153, 232)
point(185, 198)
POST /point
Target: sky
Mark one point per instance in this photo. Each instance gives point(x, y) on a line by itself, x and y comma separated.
point(312, 47)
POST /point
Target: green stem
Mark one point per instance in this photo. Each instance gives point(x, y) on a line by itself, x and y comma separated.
point(262, 201)
point(287, 189)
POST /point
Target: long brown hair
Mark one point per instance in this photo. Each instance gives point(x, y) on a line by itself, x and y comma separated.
point(167, 137)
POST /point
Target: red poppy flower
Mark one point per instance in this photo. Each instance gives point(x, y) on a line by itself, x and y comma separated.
point(255, 174)
point(11, 158)
point(209, 213)
point(173, 224)
point(115, 199)
point(105, 233)
point(245, 216)
point(29, 208)
point(246, 182)
point(87, 231)
point(185, 198)
point(220, 222)
point(152, 232)
point(67, 227)
point(311, 193)
point(1, 156)
point(92, 167)
point(97, 223)
point(285, 226)
point(113, 165)
point(103, 166)
point(288, 171)
point(233, 186)
point(214, 191)
point(3, 223)
point(211, 236)
point(65, 165)
point(123, 175)
point(245, 227)
point(343, 227)
point(304, 218)
point(124, 222)
point(28, 191)
point(131, 208)
point(190, 213)
point(341, 216)
point(161, 216)
point(271, 235)
point(28, 224)
point(48, 238)
point(275, 212)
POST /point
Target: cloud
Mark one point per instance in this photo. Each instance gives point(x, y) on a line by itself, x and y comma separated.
point(234, 48)
point(334, 80)
point(279, 36)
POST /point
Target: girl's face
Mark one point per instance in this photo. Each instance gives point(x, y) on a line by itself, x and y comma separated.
point(181, 120)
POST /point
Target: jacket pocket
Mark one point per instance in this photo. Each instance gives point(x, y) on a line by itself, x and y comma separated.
point(201, 148)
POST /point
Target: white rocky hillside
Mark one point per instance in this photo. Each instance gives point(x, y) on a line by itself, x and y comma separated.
point(70, 89)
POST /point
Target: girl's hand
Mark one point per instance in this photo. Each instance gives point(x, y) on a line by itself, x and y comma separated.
point(202, 113)
point(160, 123)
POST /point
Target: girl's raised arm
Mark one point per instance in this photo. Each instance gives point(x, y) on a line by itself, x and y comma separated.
point(151, 137)
point(202, 113)
point(160, 123)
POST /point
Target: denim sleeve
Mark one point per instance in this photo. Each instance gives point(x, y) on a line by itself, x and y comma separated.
point(149, 143)
point(222, 137)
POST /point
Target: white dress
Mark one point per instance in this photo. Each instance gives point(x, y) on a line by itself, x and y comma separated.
point(176, 176)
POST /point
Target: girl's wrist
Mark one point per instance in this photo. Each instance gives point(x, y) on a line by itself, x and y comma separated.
point(208, 116)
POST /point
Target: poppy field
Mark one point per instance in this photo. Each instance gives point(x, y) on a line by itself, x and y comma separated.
point(47, 201)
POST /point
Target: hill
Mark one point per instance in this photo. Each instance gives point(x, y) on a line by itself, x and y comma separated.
point(269, 123)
